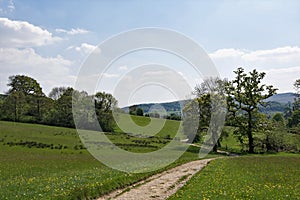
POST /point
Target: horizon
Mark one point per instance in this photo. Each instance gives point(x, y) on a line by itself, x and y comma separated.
point(50, 46)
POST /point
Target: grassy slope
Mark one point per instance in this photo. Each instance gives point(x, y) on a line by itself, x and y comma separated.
point(251, 177)
point(170, 127)
point(67, 173)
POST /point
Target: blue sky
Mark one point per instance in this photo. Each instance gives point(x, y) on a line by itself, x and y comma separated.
point(56, 36)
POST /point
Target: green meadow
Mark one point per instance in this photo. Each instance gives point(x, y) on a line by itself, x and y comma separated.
point(248, 177)
point(46, 162)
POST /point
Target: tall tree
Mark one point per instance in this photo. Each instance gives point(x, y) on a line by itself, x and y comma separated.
point(104, 104)
point(14, 106)
point(25, 84)
point(296, 104)
point(294, 119)
point(140, 112)
point(32, 91)
point(211, 99)
point(63, 105)
point(245, 93)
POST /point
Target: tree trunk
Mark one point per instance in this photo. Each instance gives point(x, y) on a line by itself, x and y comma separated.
point(15, 110)
point(214, 140)
point(38, 110)
point(215, 149)
point(219, 143)
point(249, 133)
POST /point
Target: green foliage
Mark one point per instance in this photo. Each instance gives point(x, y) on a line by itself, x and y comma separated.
point(210, 102)
point(132, 109)
point(244, 94)
point(279, 119)
point(63, 107)
point(136, 110)
point(14, 106)
point(296, 105)
point(104, 104)
point(26, 102)
point(256, 177)
point(139, 112)
point(170, 107)
point(294, 120)
point(191, 118)
point(24, 84)
point(174, 116)
point(57, 92)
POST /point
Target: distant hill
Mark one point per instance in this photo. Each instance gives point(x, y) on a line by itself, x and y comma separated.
point(283, 97)
point(276, 103)
point(171, 107)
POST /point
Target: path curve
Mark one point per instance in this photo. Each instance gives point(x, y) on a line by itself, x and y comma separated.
point(160, 186)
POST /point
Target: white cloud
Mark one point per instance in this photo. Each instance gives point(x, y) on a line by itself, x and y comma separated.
point(282, 54)
point(108, 75)
point(22, 34)
point(283, 78)
point(278, 63)
point(85, 48)
point(279, 55)
point(124, 67)
point(48, 71)
point(225, 53)
point(73, 31)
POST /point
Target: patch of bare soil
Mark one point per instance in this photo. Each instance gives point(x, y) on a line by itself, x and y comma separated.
point(159, 186)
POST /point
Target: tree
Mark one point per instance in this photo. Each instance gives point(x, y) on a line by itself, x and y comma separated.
point(190, 116)
point(57, 92)
point(297, 85)
point(296, 104)
point(32, 91)
point(174, 116)
point(139, 112)
point(24, 84)
point(294, 119)
point(104, 104)
point(278, 118)
point(132, 109)
point(63, 109)
point(244, 94)
point(211, 101)
point(14, 106)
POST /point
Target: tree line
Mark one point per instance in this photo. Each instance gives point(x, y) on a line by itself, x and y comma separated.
point(26, 102)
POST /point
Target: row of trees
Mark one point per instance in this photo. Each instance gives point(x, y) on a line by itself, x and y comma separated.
point(242, 97)
point(26, 102)
point(136, 110)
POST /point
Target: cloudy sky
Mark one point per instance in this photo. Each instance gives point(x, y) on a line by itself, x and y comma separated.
point(50, 40)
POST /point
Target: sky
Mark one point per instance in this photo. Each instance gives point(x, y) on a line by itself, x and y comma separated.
point(50, 40)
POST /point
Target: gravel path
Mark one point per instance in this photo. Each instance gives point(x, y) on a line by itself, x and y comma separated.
point(160, 186)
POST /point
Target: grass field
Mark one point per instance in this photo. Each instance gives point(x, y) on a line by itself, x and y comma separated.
point(44, 162)
point(250, 177)
point(169, 128)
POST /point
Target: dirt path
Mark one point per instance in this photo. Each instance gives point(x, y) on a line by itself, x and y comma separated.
point(160, 186)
